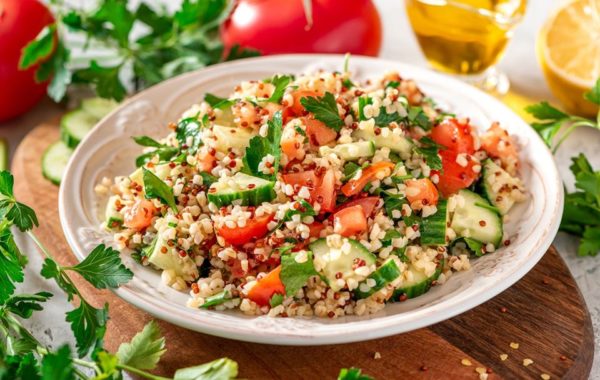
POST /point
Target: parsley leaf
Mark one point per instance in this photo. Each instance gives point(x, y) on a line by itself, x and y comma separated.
point(21, 215)
point(325, 109)
point(362, 102)
point(24, 305)
point(10, 273)
point(108, 364)
point(105, 80)
point(156, 188)
point(352, 374)
point(220, 369)
point(429, 150)
point(383, 119)
point(39, 49)
point(295, 275)
point(276, 300)
point(280, 82)
point(590, 241)
point(417, 116)
point(188, 130)
point(58, 365)
point(164, 152)
point(103, 268)
point(594, 94)
point(144, 350)
point(213, 99)
point(544, 111)
point(260, 147)
point(56, 68)
point(51, 270)
point(88, 325)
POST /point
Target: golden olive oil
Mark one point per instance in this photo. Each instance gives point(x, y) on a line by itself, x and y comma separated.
point(464, 36)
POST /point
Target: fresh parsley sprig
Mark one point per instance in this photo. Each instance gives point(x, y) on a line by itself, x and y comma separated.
point(553, 123)
point(259, 147)
point(325, 109)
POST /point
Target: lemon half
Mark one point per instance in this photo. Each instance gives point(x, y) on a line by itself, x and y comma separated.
point(568, 48)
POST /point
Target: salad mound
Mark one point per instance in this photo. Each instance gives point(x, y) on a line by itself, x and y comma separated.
point(315, 195)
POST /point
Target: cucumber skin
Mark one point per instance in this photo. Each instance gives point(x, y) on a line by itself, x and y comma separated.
point(3, 154)
point(52, 179)
point(386, 273)
point(254, 197)
point(433, 228)
point(217, 299)
point(420, 288)
point(68, 139)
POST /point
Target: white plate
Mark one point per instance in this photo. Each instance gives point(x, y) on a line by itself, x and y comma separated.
point(109, 151)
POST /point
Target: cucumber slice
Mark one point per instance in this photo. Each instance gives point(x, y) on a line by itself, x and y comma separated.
point(475, 218)
point(232, 137)
point(386, 273)
point(474, 247)
point(137, 176)
point(114, 218)
point(75, 125)
point(419, 284)
point(169, 259)
point(433, 228)
point(217, 299)
point(54, 161)
point(497, 186)
point(98, 107)
point(339, 265)
point(3, 154)
point(248, 190)
point(350, 151)
point(394, 142)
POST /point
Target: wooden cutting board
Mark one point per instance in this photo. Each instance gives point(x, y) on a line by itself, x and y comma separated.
point(544, 313)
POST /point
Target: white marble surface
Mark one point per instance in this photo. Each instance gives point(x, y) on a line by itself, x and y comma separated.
point(521, 66)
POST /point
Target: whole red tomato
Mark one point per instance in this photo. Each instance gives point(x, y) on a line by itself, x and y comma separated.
point(20, 22)
point(278, 27)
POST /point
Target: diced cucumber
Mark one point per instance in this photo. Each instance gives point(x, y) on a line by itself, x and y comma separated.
point(419, 283)
point(75, 125)
point(386, 273)
point(3, 154)
point(232, 137)
point(474, 217)
point(114, 218)
point(471, 245)
point(167, 257)
point(335, 264)
point(217, 299)
point(248, 190)
point(394, 142)
point(54, 161)
point(433, 228)
point(137, 176)
point(350, 151)
point(98, 107)
point(497, 186)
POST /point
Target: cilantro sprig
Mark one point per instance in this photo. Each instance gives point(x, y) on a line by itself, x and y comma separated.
point(553, 124)
point(172, 43)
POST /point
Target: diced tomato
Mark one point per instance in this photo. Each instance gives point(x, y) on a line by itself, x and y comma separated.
point(266, 287)
point(497, 143)
point(315, 229)
point(422, 190)
point(255, 228)
point(140, 215)
point(318, 133)
point(350, 221)
point(368, 204)
point(297, 109)
point(454, 177)
point(379, 170)
point(292, 147)
point(454, 135)
point(206, 161)
point(325, 191)
point(297, 180)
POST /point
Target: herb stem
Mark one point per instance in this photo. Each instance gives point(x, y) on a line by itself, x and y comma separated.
point(39, 244)
point(581, 122)
point(141, 373)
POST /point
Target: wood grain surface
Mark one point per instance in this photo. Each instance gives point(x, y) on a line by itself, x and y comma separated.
point(544, 313)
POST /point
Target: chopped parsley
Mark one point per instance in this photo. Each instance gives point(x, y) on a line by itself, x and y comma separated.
point(259, 147)
point(325, 109)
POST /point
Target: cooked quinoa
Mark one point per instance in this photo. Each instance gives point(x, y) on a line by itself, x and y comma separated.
point(314, 195)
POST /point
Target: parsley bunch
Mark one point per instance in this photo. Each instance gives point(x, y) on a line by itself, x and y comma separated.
point(581, 213)
point(171, 44)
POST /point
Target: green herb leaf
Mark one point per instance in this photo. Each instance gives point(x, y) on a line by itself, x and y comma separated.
point(11, 273)
point(115, 13)
point(418, 117)
point(352, 374)
point(155, 188)
point(24, 305)
point(295, 275)
point(429, 150)
point(260, 147)
point(544, 111)
point(383, 119)
point(217, 299)
point(52, 271)
point(590, 241)
point(276, 300)
point(144, 350)
point(392, 84)
point(594, 94)
point(21, 215)
point(189, 128)
point(39, 49)
point(56, 67)
point(362, 102)
point(58, 365)
point(280, 82)
point(103, 268)
point(325, 109)
point(147, 141)
point(105, 79)
point(213, 99)
point(389, 236)
point(88, 325)
point(108, 365)
point(220, 369)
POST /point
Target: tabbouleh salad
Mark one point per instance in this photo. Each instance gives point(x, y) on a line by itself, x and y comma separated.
point(314, 195)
